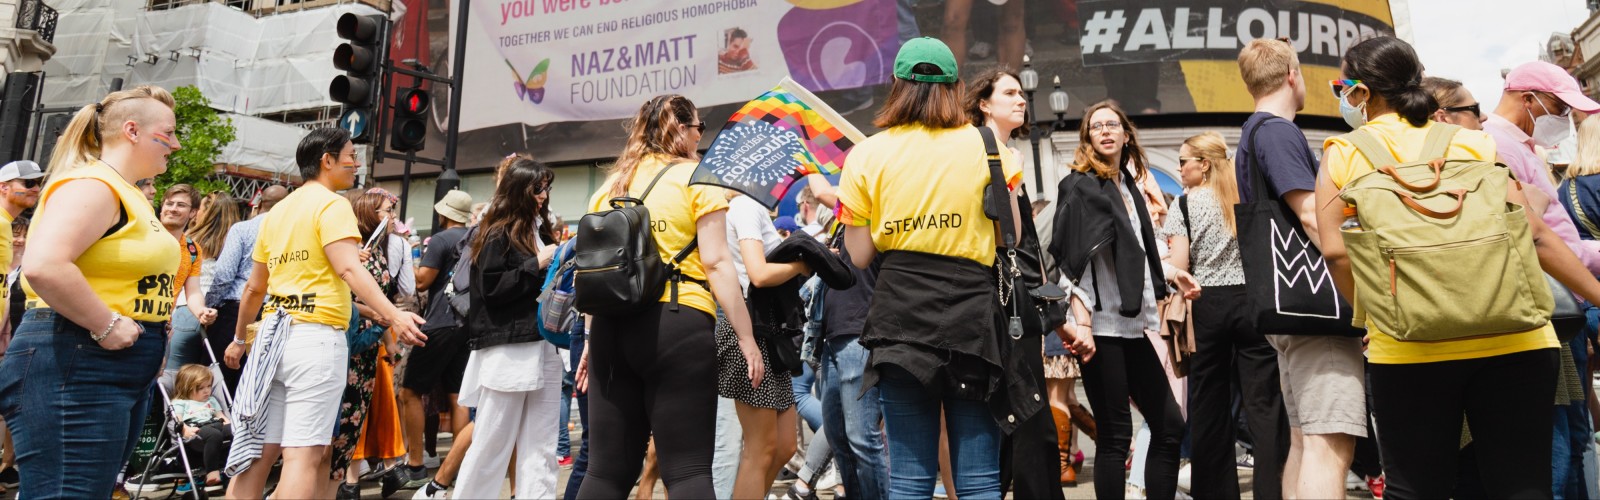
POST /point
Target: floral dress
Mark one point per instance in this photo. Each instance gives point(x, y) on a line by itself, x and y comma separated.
point(363, 370)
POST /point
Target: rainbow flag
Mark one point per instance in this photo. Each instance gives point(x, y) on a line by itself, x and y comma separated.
point(774, 140)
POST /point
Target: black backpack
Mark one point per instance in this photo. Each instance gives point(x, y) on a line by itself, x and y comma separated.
point(616, 269)
point(449, 309)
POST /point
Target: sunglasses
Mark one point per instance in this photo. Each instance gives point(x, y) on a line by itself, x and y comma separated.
point(1182, 159)
point(1474, 108)
point(29, 183)
point(1341, 86)
point(698, 127)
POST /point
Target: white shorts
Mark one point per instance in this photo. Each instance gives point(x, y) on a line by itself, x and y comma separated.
point(306, 390)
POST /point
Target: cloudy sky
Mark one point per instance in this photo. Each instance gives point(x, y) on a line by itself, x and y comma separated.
point(1471, 40)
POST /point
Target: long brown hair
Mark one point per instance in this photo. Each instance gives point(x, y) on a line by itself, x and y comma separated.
point(84, 136)
point(982, 89)
point(932, 105)
point(218, 212)
point(1086, 160)
point(654, 131)
point(1219, 178)
point(515, 212)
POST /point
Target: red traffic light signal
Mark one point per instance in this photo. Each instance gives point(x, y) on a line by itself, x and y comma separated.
point(409, 126)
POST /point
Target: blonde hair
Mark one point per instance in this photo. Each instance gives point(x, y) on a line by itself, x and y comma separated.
point(654, 131)
point(1088, 161)
point(1587, 161)
point(85, 135)
point(1264, 63)
point(1219, 178)
point(191, 378)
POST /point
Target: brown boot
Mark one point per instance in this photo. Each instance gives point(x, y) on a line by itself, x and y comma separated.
point(1084, 420)
point(1069, 475)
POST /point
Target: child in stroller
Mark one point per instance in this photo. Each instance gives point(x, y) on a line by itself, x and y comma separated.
point(206, 431)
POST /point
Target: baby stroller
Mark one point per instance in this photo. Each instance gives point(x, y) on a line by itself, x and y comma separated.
point(160, 457)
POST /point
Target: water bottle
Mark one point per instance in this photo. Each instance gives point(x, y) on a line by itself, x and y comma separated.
point(1351, 223)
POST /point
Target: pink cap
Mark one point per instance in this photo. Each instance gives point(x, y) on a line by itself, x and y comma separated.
point(1545, 77)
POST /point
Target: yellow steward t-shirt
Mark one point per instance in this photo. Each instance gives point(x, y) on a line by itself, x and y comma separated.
point(675, 206)
point(921, 189)
point(300, 278)
point(5, 263)
point(133, 269)
point(1405, 142)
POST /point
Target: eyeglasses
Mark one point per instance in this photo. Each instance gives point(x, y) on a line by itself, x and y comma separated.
point(1474, 108)
point(1341, 86)
point(698, 127)
point(542, 189)
point(1113, 125)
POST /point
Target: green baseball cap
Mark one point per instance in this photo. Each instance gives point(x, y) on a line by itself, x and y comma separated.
point(926, 50)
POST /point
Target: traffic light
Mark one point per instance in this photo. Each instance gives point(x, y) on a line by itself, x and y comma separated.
point(409, 127)
point(361, 58)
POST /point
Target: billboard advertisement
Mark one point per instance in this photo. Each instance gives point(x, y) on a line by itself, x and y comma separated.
point(556, 78)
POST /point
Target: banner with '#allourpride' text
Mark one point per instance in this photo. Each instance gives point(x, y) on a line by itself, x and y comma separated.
point(544, 61)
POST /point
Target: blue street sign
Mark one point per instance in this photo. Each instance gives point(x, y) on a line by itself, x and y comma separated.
point(355, 121)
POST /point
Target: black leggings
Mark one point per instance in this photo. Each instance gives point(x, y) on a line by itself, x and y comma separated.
point(1507, 401)
point(1123, 368)
point(654, 372)
point(210, 446)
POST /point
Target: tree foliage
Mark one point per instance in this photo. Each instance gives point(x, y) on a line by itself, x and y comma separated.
point(202, 132)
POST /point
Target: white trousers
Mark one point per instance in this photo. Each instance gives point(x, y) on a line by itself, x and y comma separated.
point(524, 421)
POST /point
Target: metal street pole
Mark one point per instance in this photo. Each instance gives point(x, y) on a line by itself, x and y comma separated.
point(458, 63)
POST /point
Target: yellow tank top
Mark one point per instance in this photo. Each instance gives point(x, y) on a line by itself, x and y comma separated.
point(134, 268)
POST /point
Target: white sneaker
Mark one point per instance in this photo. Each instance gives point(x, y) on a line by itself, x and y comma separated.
point(980, 50)
point(1185, 478)
point(432, 462)
point(1131, 492)
point(1352, 482)
point(829, 479)
point(428, 492)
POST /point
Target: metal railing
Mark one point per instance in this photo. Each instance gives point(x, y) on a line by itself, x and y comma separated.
point(35, 15)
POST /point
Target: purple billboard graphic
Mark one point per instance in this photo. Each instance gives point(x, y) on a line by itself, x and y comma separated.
point(840, 48)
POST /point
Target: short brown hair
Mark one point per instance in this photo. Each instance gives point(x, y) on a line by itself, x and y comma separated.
point(933, 105)
point(183, 189)
point(1444, 90)
point(191, 378)
point(1264, 63)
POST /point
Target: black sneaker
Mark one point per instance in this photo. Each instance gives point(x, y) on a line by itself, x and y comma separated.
point(408, 477)
point(9, 477)
point(348, 491)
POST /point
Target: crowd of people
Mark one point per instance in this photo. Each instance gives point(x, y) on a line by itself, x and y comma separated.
point(924, 318)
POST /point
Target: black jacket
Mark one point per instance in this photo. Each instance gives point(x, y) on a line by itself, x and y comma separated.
point(1090, 219)
point(505, 287)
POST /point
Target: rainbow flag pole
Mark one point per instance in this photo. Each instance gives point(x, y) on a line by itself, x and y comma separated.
point(775, 139)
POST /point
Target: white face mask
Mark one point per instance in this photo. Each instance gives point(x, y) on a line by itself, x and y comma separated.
point(1550, 129)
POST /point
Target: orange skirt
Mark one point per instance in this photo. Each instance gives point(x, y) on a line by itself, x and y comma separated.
point(380, 434)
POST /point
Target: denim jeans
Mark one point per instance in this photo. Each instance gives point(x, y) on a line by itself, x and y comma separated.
point(809, 408)
point(725, 455)
point(563, 439)
point(580, 460)
point(85, 405)
point(184, 347)
point(1572, 433)
point(911, 419)
point(851, 420)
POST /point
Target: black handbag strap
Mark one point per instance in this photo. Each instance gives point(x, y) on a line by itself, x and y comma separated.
point(1259, 185)
point(997, 189)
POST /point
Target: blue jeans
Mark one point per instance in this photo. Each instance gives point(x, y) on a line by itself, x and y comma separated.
point(85, 405)
point(563, 439)
point(1573, 430)
point(850, 420)
point(580, 462)
point(809, 408)
point(184, 347)
point(911, 418)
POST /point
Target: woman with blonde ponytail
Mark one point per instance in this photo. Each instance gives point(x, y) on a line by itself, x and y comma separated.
point(98, 298)
point(655, 371)
point(1203, 235)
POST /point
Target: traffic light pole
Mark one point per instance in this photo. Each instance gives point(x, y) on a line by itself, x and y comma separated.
point(448, 175)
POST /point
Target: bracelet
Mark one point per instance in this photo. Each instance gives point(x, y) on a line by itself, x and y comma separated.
point(239, 341)
point(115, 316)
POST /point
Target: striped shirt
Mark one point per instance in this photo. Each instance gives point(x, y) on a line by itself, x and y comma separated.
point(250, 403)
